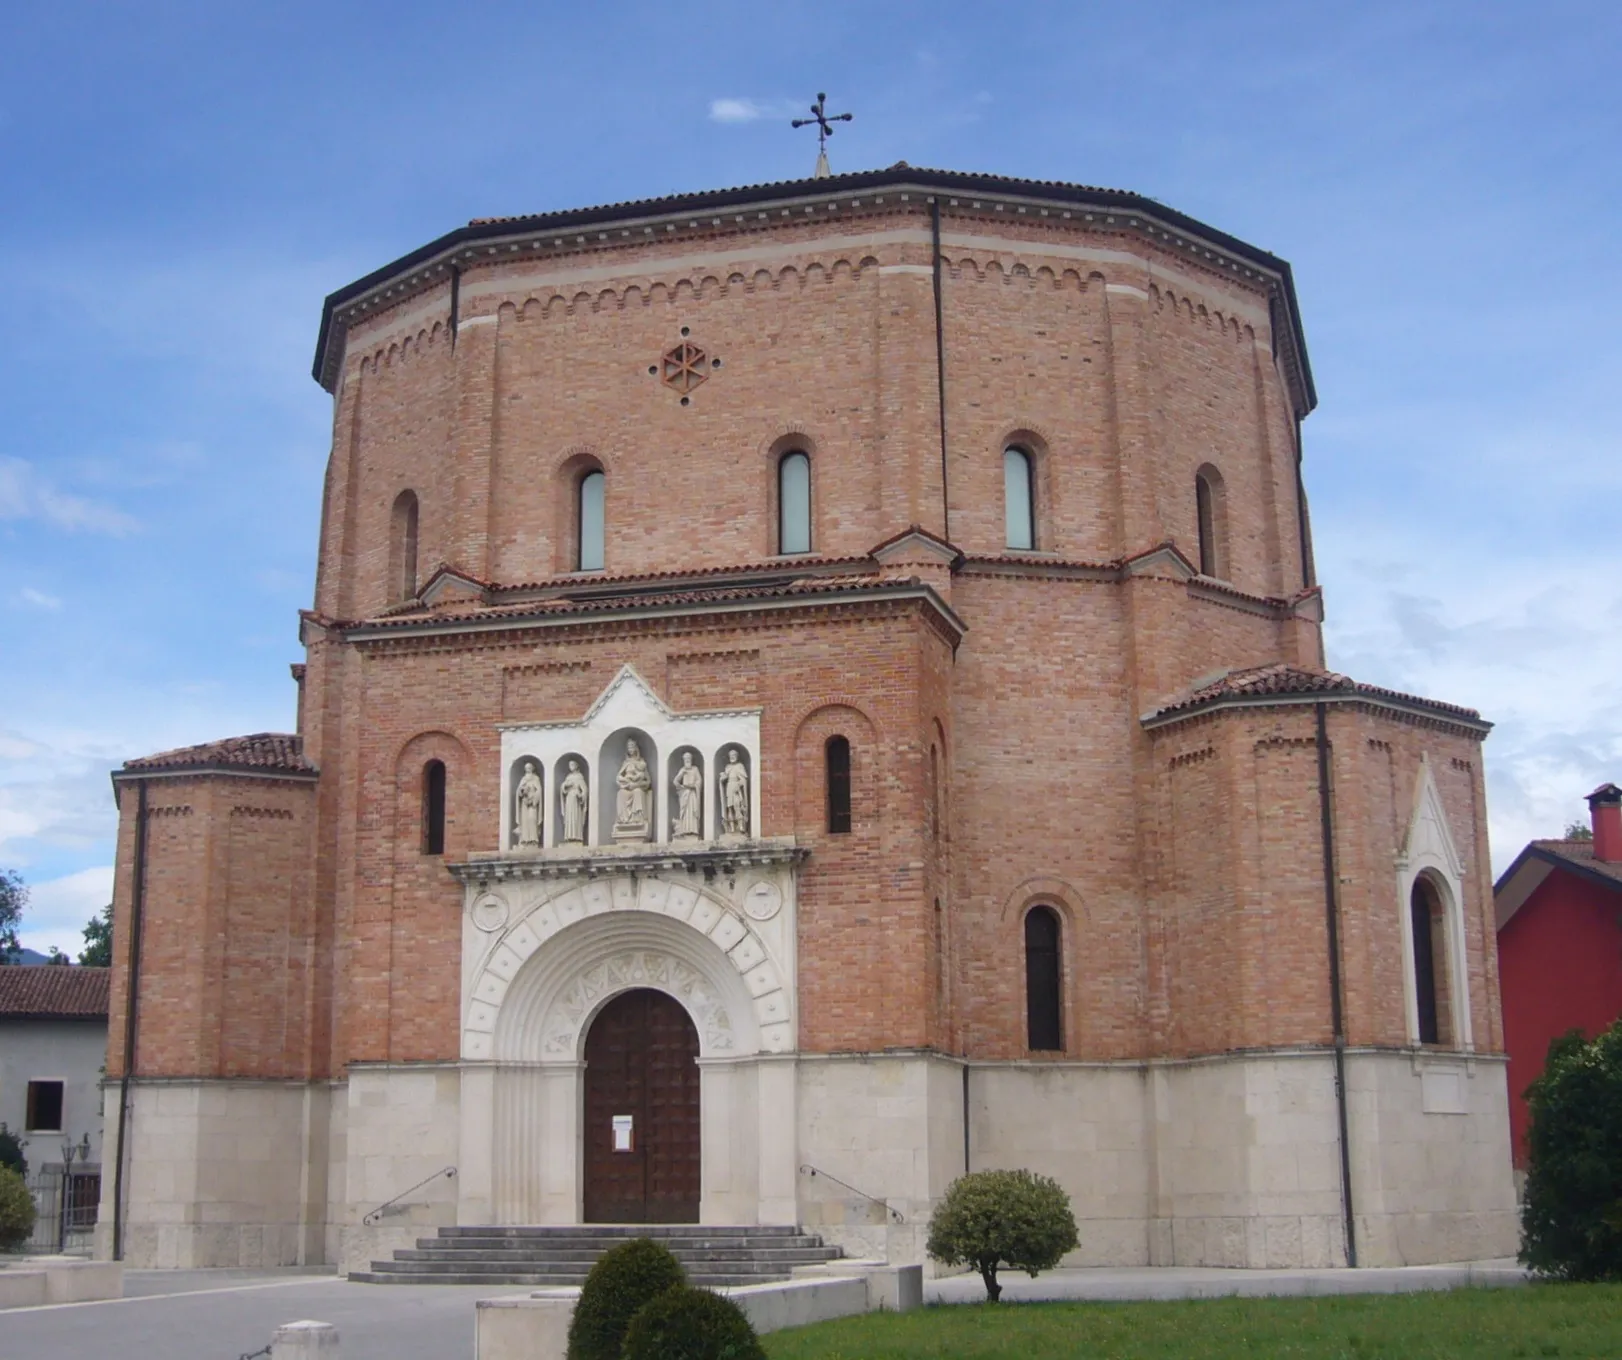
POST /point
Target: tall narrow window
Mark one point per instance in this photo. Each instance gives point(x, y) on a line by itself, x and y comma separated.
point(433, 808)
point(1211, 511)
point(1423, 915)
point(794, 503)
point(1018, 509)
point(403, 547)
point(589, 528)
point(838, 754)
point(1044, 1033)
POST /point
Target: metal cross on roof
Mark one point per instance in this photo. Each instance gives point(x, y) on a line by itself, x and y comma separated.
point(824, 121)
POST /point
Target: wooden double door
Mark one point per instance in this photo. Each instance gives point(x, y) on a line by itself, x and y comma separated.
point(642, 1115)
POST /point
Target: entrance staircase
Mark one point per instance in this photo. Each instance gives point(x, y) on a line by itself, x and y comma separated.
point(711, 1256)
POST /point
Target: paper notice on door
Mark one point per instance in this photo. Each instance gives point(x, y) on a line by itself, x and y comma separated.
point(622, 1133)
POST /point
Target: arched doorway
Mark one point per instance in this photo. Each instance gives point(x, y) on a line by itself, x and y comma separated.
point(642, 1067)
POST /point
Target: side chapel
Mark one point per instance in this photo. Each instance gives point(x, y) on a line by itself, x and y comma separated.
point(811, 688)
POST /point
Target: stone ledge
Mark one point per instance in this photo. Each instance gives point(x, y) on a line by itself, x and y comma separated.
point(35, 1281)
point(696, 857)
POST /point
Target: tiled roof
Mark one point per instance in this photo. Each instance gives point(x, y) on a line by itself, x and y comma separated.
point(40, 991)
point(1580, 855)
point(1258, 683)
point(564, 607)
point(281, 751)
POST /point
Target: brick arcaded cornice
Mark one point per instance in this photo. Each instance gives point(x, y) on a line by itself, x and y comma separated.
point(792, 203)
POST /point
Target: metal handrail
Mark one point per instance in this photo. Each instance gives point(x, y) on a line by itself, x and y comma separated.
point(449, 1172)
point(806, 1169)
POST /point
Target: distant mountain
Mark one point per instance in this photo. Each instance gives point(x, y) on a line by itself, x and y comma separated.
point(31, 956)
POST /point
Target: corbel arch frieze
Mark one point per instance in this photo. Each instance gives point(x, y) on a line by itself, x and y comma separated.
point(553, 961)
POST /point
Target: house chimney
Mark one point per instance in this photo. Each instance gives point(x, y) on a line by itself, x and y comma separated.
point(1605, 803)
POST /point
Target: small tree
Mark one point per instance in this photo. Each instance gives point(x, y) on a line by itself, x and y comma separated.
point(1579, 831)
point(16, 1210)
point(13, 897)
point(98, 940)
point(992, 1218)
point(1571, 1221)
point(624, 1278)
point(691, 1324)
point(11, 1150)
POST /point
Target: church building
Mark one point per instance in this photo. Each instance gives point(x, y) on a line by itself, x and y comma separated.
point(810, 689)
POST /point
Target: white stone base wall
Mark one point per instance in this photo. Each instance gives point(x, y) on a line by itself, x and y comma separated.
point(1431, 1170)
point(220, 1173)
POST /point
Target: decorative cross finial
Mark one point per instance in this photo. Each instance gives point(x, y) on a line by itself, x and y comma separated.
point(824, 121)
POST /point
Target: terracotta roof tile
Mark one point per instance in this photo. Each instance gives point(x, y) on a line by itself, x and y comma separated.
point(1581, 855)
point(262, 751)
point(1281, 678)
point(42, 990)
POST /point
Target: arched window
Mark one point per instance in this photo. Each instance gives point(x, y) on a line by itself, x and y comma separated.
point(1019, 509)
point(1430, 955)
point(589, 523)
point(794, 503)
point(1043, 1030)
point(403, 547)
point(433, 808)
point(1211, 508)
point(838, 756)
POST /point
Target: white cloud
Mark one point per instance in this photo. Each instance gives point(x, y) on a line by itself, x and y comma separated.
point(58, 909)
point(752, 110)
point(24, 494)
point(38, 598)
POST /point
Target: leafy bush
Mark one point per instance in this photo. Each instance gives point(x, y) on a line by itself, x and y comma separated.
point(16, 1210)
point(691, 1324)
point(11, 1151)
point(625, 1278)
point(1571, 1221)
point(1012, 1218)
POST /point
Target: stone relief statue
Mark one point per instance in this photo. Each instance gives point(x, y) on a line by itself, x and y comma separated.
point(734, 781)
point(528, 804)
point(631, 810)
point(573, 796)
point(689, 783)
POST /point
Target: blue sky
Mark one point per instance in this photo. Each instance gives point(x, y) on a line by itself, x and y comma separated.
point(181, 184)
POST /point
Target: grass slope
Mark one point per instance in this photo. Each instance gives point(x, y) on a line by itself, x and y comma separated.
point(1469, 1324)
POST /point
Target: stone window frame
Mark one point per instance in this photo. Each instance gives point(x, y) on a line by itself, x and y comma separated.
point(1429, 853)
point(34, 1083)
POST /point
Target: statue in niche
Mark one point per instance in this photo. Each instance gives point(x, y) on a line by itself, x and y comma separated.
point(573, 796)
point(689, 782)
point(631, 819)
point(734, 780)
point(528, 804)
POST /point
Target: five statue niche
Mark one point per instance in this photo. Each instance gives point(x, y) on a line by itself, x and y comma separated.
point(626, 765)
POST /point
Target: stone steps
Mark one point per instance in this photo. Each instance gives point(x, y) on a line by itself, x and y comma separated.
point(711, 1256)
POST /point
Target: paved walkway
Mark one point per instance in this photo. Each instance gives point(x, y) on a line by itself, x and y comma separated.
point(223, 1314)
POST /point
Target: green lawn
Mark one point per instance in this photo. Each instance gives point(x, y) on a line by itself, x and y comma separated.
point(1470, 1324)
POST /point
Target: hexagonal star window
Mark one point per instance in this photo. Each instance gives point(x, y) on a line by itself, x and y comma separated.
point(684, 367)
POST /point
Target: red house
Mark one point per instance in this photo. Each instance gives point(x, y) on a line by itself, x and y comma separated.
point(1559, 909)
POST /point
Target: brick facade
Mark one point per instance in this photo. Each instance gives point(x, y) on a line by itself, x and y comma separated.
point(995, 701)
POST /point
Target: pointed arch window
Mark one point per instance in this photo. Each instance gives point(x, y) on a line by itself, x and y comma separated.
point(403, 547)
point(1044, 1030)
point(433, 808)
point(589, 522)
point(1019, 507)
point(1210, 506)
point(794, 502)
point(837, 753)
point(1430, 962)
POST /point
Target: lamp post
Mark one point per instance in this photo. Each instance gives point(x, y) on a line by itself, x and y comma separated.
point(65, 1207)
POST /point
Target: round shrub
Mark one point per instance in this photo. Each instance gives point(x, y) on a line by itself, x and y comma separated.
point(691, 1324)
point(16, 1210)
point(1012, 1218)
point(624, 1278)
point(1571, 1219)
